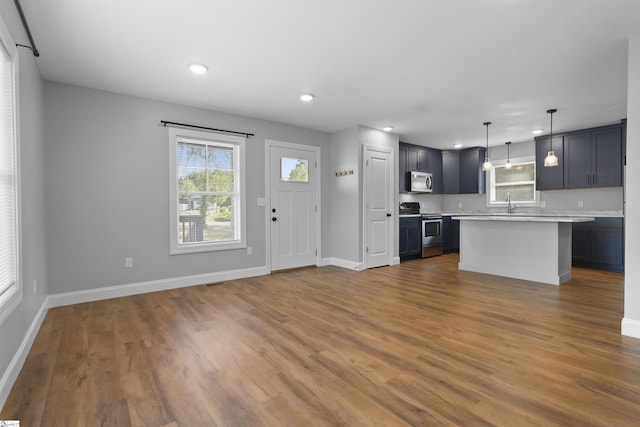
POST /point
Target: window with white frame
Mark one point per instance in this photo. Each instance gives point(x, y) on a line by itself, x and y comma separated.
point(10, 287)
point(517, 183)
point(207, 191)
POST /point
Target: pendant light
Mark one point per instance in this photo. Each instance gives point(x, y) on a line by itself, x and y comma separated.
point(508, 165)
point(487, 163)
point(551, 159)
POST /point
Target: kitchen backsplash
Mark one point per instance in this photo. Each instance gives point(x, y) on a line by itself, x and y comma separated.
point(609, 199)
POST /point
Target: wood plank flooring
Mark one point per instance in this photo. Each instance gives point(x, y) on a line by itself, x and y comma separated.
point(418, 344)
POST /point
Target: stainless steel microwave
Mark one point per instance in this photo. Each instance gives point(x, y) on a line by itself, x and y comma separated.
point(421, 182)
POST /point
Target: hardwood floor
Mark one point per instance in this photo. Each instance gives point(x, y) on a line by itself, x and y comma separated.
point(418, 344)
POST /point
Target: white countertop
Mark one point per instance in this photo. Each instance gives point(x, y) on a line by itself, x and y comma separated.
point(527, 218)
point(541, 213)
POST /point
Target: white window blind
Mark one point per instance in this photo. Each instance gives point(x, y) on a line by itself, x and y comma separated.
point(9, 284)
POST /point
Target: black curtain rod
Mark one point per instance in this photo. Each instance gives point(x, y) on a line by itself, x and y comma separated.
point(33, 47)
point(165, 123)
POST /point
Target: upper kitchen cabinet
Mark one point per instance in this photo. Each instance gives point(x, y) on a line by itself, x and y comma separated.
point(549, 178)
point(462, 171)
point(586, 158)
point(422, 159)
point(403, 178)
point(472, 177)
point(417, 159)
point(594, 158)
point(435, 166)
point(451, 172)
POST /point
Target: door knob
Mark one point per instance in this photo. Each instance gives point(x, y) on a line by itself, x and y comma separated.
point(274, 219)
point(388, 214)
point(273, 210)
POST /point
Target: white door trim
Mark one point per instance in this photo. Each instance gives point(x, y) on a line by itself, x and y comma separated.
point(267, 191)
point(391, 196)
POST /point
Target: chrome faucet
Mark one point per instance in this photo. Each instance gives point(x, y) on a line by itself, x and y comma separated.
point(510, 207)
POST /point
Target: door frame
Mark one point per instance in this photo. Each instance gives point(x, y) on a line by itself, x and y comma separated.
point(267, 191)
point(390, 195)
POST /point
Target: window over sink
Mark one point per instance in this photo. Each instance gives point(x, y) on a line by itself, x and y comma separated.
point(517, 182)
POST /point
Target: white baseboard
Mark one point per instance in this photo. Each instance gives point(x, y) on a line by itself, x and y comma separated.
point(68, 298)
point(631, 327)
point(396, 260)
point(339, 262)
point(10, 375)
point(324, 262)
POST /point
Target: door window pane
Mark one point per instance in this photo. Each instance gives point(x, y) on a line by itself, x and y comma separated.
point(294, 170)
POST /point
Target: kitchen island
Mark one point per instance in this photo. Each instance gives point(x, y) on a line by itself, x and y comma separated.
point(536, 248)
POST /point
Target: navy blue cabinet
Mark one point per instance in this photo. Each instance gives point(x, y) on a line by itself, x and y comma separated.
point(472, 177)
point(410, 237)
point(450, 172)
point(435, 167)
point(417, 158)
point(607, 157)
point(403, 179)
point(587, 158)
point(577, 160)
point(549, 178)
point(450, 235)
point(462, 171)
point(599, 244)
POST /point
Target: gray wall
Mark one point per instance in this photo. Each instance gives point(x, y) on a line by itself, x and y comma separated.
point(632, 218)
point(30, 94)
point(107, 194)
point(345, 192)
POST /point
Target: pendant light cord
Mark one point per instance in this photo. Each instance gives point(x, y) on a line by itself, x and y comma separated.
point(551, 111)
point(487, 126)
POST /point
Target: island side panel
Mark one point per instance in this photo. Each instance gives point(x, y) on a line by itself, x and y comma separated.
point(564, 251)
point(536, 251)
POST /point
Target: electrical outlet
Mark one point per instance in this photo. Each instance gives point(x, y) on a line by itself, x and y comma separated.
point(128, 262)
point(459, 205)
point(580, 204)
point(35, 286)
point(543, 204)
point(249, 250)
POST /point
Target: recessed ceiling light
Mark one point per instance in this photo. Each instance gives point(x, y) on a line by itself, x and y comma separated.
point(458, 145)
point(537, 131)
point(307, 97)
point(198, 68)
point(387, 128)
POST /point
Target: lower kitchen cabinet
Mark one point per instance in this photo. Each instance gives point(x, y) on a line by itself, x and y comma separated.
point(450, 235)
point(410, 237)
point(599, 244)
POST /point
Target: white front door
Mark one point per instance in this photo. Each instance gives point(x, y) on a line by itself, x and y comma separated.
point(378, 209)
point(293, 206)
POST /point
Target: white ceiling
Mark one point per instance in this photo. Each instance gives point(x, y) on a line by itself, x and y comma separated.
point(433, 69)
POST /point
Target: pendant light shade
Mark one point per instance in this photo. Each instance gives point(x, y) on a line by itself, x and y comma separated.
point(508, 165)
point(551, 159)
point(486, 166)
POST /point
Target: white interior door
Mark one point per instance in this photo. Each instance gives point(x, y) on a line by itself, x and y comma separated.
point(293, 207)
point(378, 210)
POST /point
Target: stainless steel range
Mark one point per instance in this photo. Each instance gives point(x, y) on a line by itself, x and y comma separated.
point(431, 235)
point(431, 228)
